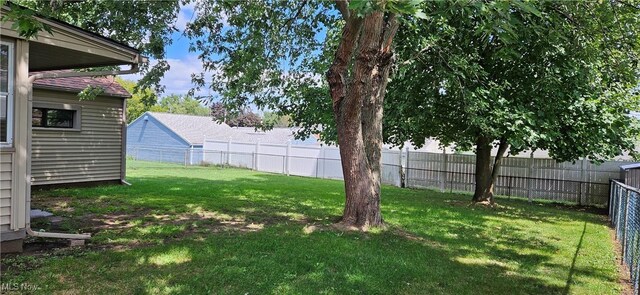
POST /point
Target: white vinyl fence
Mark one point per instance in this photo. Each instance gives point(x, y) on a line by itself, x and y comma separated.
point(300, 160)
point(534, 178)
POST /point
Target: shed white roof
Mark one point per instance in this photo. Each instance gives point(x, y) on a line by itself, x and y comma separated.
point(194, 129)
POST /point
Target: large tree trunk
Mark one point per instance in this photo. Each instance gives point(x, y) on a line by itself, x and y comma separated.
point(486, 173)
point(357, 106)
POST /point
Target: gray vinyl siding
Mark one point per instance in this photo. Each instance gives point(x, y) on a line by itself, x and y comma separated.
point(632, 177)
point(94, 153)
point(5, 190)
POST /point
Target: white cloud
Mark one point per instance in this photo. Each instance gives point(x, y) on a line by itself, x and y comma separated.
point(186, 14)
point(178, 79)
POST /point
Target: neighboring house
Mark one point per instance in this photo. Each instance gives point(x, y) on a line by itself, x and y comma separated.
point(58, 155)
point(180, 138)
point(172, 137)
point(77, 141)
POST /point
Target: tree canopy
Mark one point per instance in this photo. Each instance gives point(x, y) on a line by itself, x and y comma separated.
point(243, 118)
point(145, 25)
point(557, 76)
point(181, 104)
point(523, 74)
point(140, 101)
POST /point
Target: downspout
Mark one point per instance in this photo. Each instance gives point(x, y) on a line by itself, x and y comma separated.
point(134, 69)
point(123, 143)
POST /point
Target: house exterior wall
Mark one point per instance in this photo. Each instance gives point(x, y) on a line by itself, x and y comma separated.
point(14, 159)
point(91, 153)
point(150, 140)
point(65, 47)
point(6, 186)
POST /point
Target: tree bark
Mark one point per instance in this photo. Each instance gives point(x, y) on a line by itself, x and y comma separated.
point(357, 105)
point(486, 173)
point(497, 164)
point(483, 168)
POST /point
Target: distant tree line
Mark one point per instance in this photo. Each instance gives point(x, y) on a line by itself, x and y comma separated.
point(147, 100)
point(247, 118)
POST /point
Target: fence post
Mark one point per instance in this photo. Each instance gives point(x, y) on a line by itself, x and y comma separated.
point(610, 200)
point(620, 216)
point(529, 177)
point(318, 161)
point(407, 169)
point(624, 229)
point(256, 156)
point(186, 155)
point(229, 152)
point(322, 156)
point(288, 158)
point(443, 168)
point(400, 171)
point(582, 181)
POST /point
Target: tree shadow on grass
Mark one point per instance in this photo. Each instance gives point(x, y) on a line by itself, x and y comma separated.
point(283, 259)
point(454, 249)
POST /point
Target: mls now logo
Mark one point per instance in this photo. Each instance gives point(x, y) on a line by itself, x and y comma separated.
point(4, 287)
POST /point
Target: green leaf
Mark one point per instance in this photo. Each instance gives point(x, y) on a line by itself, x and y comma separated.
point(420, 14)
point(527, 7)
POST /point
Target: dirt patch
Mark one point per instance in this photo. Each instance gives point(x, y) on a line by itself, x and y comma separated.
point(57, 204)
point(623, 270)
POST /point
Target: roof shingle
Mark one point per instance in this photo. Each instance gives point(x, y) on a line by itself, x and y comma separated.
point(77, 84)
point(195, 129)
point(192, 128)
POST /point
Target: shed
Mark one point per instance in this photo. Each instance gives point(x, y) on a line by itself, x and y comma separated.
point(630, 174)
point(172, 137)
point(77, 141)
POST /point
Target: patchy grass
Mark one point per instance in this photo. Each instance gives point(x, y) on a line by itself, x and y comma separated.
point(203, 230)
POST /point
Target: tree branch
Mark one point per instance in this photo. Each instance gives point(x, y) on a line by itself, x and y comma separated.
point(392, 27)
point(627, 4)
point(343, 7)
point(502, 148)
point(415, 55)
point(338, 70)
point(288, 22)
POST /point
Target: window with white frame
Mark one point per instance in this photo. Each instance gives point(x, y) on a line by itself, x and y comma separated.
point(6, 93)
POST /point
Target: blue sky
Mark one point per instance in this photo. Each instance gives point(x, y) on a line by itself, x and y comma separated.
point(183, 63)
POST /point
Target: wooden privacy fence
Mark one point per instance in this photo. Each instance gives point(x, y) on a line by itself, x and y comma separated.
point(581, 182)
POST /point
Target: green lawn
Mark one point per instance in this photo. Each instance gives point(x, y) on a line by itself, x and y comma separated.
point(203, 230)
